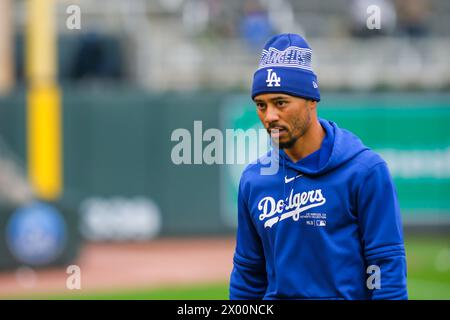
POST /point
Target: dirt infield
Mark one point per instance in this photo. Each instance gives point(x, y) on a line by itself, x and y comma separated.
point(131, 265)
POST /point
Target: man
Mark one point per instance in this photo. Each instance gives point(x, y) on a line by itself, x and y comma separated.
point(327, 224)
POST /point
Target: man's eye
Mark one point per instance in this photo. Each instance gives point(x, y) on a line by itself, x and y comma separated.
point(281, 103)
point(260, 106)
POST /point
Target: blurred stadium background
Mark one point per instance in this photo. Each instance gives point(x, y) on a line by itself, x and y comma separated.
point(86, 117)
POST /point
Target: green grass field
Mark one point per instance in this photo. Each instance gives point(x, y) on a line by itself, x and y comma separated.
point(428, 278)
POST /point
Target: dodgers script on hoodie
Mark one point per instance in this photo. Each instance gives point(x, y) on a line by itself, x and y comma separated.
point(314, 229)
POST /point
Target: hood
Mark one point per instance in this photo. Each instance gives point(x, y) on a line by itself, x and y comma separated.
point(338, 147)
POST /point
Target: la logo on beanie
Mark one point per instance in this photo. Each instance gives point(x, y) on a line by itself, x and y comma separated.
point(272, 78)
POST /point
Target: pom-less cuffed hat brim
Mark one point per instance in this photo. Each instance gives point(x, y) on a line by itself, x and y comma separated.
point(294, 82)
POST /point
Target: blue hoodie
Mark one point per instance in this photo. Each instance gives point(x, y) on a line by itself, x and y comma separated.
point(325, 227)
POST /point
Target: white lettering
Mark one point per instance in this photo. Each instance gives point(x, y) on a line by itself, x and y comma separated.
point(374, 19)
point(299, 202)
point(74, 280)
point(374, 281)
point(74, 20)
point(272, 79)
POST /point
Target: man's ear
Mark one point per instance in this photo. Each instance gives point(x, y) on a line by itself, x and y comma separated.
point(312, 104)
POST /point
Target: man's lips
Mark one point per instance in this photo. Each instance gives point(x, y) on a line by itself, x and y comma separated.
point(275, 129)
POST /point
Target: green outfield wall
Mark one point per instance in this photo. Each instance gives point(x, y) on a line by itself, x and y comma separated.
point(122, 182)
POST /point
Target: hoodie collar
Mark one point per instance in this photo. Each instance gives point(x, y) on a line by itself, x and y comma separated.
point(338, 147)
point(319, 158)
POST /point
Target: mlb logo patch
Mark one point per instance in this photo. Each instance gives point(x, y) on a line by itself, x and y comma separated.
point(321, 223)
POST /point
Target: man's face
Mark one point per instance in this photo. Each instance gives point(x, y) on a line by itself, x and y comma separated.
point(286, 118)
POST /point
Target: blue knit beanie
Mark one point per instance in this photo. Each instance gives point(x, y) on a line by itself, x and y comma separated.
point(285, 67)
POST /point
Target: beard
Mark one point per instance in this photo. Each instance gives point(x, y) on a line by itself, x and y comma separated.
point(299, 128)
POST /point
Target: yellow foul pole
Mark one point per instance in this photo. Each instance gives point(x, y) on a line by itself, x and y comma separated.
point(6, 47)
point(44, 128)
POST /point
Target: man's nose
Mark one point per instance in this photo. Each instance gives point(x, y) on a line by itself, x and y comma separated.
point(271, 114)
